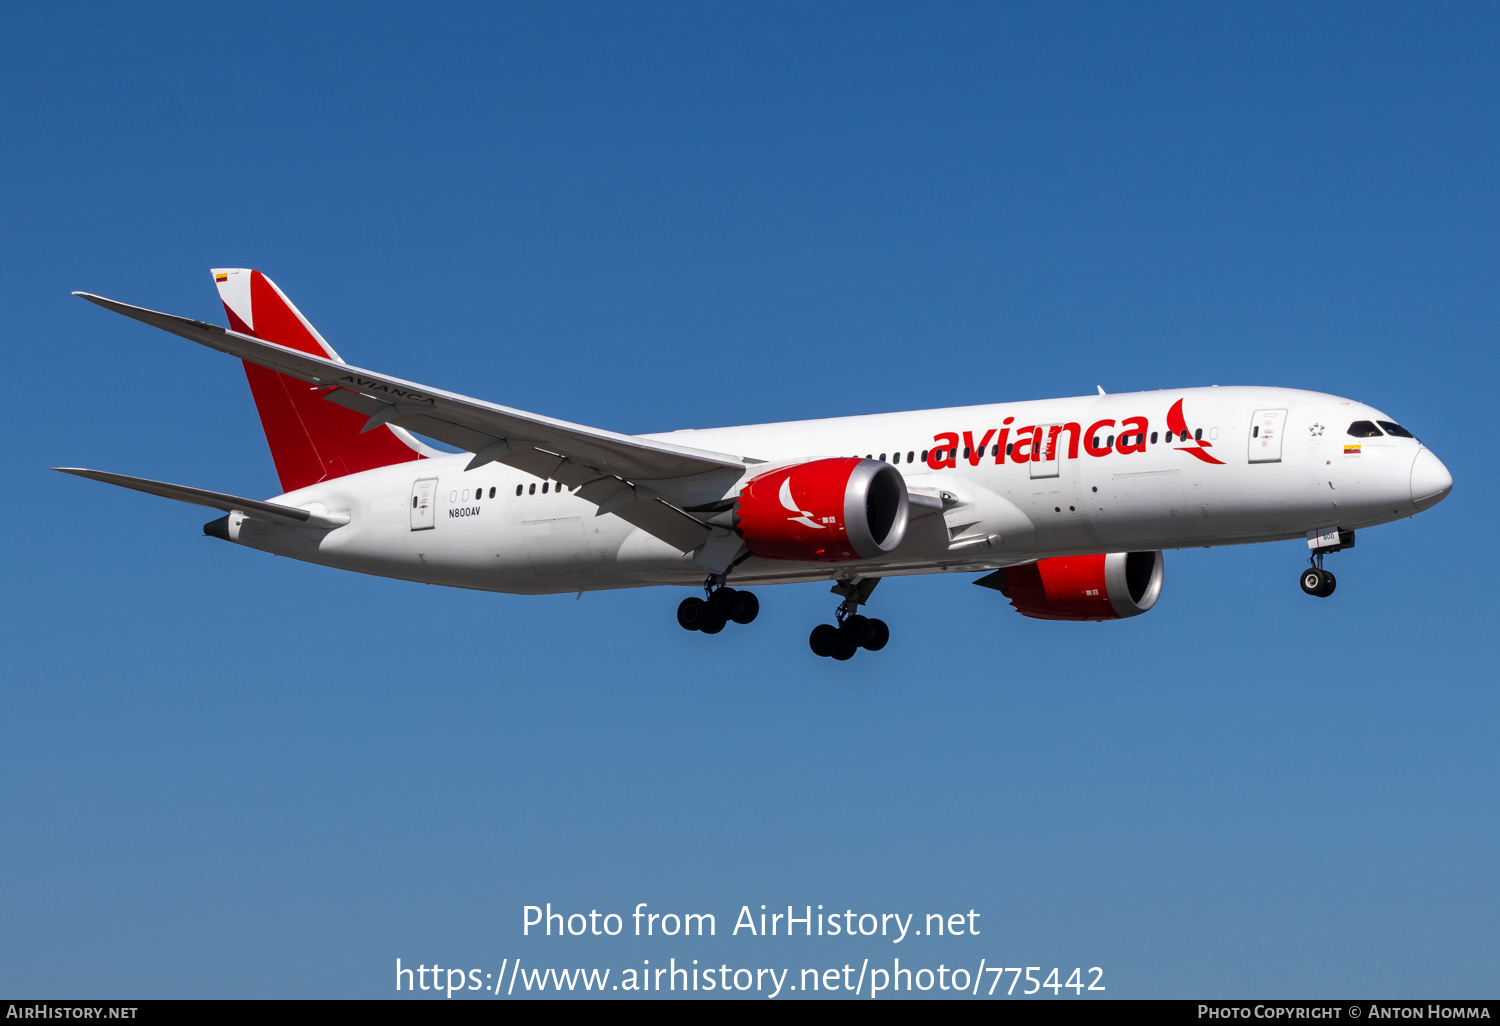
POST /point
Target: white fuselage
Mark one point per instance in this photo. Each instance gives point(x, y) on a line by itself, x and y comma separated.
point(996, 511)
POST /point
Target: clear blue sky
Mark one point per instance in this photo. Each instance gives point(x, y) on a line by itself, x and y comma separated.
point(223, 773)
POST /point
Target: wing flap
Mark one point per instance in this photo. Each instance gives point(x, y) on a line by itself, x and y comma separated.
point(666, 522)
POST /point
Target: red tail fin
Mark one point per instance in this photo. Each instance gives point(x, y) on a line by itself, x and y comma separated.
point(311, 440)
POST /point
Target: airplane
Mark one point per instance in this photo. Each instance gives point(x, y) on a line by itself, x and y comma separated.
point(1066, 505)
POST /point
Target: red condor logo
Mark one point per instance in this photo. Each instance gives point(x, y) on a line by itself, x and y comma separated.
point(1040, 443)
point(1177, 425)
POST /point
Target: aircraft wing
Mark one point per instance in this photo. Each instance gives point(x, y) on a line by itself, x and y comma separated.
point(624, 475)
point(213, 500)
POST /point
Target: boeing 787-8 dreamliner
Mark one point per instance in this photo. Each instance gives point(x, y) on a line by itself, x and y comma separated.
point(1065, 504)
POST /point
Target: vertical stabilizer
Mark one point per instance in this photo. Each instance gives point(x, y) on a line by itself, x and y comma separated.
point(311, 439)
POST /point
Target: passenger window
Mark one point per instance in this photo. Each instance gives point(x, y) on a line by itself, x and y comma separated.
point(1198, 434)
point(1109, 443)
point(1153, 438)
point(1363, 429)
point(1011, 445)
point(995, 449)
point(518, 489)
point(1395, 429)
point(908, 457)
point(544, 487)
point(895, 457)
point(492, 493)
point(966, 452)
point(882, 457)
point(531, 490)
point(924, 455)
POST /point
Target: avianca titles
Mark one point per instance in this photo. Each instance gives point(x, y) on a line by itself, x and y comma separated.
point(1065, 505)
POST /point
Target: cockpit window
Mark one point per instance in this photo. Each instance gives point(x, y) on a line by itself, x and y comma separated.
point(1395, 429)
point(1363, 429)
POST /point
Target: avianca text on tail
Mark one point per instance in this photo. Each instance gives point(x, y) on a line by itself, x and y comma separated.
point(1064, 505)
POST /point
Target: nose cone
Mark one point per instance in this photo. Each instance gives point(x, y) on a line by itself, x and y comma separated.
point(1430, 480)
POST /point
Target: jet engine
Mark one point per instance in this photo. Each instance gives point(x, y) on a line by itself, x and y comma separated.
point(829, 510)
point(1098, 587)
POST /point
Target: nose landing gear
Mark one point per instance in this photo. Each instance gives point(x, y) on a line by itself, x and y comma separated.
point(1319, 582)
point(1315, 580)
point(852, 631)
point(721, 605)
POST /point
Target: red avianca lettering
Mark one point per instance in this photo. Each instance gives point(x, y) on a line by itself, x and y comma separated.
point(1040, 443)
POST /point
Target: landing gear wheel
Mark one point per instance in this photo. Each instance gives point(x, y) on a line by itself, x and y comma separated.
point(724, 603)
point(747, 609)
point(1329, 583)
point(713, 625)
point(845, 652)
point(692, 614)
point(824, 639)
point(879, 635)
point(1313, 581)
point(857, 631)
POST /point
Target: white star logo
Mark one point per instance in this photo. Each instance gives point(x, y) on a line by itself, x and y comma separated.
point(1316, 430)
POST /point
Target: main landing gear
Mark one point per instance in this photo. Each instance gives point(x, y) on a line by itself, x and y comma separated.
point(1317, 581)
point(853, 631)
point(720, 605)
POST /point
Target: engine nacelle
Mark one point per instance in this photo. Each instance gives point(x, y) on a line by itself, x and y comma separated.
point(830, 510)
point(1098, 587)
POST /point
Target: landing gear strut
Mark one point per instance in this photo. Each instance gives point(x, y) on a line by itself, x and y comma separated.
point(852, 631)
point(1317, 581)
point(720, 605)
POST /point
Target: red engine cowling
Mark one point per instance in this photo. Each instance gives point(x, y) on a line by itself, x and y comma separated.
point(824, 511)
point(1098, 587)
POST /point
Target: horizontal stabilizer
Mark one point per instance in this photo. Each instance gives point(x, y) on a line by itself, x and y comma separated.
point(213, 500)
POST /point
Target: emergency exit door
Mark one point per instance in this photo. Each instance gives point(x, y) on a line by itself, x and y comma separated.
point(423, 499)
point(1044, 460)
point(1266, 429)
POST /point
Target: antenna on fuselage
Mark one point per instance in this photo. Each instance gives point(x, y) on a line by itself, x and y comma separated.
point(1100, 388)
